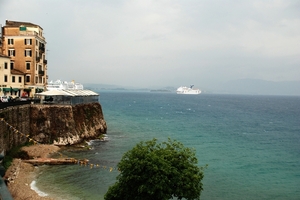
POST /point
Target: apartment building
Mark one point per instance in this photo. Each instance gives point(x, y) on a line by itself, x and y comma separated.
point(25, 45)
point(11, 81)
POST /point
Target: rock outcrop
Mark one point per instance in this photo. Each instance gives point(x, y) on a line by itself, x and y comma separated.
point(66, 124)
point(51, 124)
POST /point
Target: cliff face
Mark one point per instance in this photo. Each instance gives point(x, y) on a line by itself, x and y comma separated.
point(47, 124)
point(65, 124)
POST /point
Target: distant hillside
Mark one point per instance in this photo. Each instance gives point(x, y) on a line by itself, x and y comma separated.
point(98, 86)
point(260, 87)
point(240, 86)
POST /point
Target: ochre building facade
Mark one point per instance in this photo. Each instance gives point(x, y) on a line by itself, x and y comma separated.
point(25, 45)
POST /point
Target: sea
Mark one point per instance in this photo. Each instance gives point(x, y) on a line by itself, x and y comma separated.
point(251, 144)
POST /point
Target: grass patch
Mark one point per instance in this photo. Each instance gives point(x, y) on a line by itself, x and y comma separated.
point(15, 152)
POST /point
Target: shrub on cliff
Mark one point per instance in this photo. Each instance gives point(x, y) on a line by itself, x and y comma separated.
point(14, 152)
point(158, 171)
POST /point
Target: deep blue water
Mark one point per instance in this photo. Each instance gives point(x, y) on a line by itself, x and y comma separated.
point(250, 143)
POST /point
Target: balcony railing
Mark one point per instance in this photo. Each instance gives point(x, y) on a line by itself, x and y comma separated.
point(42, 48)
point(41, 72)
point(31, 33)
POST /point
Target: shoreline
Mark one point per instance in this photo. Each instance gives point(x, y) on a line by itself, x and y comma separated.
point(34, 188)
point(22, 175)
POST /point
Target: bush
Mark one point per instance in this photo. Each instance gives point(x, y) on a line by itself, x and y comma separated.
point(157, 171)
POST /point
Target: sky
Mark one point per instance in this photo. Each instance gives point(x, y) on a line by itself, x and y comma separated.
point(158, 43)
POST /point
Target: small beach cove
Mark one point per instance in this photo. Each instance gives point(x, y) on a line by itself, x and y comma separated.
point(21, 175)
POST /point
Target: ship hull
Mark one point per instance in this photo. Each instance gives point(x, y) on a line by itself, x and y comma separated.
point(188, 90)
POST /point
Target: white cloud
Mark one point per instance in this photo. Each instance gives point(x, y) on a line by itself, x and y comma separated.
point(137, 42)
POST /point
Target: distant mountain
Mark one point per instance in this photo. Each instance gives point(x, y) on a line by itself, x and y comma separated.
point(240, 86)
point(260, 87)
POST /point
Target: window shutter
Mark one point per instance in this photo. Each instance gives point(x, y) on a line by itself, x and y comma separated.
point(30, 41)
point(30, 53)
point(14, 53)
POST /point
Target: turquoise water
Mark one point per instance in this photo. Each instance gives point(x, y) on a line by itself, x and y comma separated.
point(250, 143)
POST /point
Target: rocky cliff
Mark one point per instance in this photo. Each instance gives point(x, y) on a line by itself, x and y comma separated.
point(47, 124)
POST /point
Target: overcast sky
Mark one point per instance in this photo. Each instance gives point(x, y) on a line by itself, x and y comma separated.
point(165, 42)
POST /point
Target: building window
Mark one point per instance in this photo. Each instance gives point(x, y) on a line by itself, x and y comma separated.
point(10, 41)
point(5, 65)
point(27, 78)
point(12, 65)
point(20, 79)
point(27, 65)
point(36, 42)
point(5, 78)
point(13, 79)
point(27, 41)
point(11, 52)
point(36, 79)
point(28, 53)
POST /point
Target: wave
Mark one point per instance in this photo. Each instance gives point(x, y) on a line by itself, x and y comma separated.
point(33, 187)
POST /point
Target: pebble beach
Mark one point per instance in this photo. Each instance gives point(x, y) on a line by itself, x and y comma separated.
point(21, 175)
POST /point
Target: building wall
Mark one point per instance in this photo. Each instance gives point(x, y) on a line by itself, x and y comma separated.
point(28, 38)
point(4, 73)
point(17, 84)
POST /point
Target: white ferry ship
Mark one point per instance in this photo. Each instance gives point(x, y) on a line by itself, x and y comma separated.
point(63, 85)
point(188, 90)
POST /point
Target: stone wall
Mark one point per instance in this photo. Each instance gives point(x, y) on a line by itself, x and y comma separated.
point(17, 117)
point(51, 124)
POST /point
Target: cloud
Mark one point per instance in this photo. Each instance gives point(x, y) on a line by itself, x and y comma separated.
point(166, 42)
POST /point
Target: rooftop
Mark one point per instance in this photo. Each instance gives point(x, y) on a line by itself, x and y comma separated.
point(4, 56)
point(16, 72)
point(17, 24)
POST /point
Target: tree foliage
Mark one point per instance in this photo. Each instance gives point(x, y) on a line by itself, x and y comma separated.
point(157, 171)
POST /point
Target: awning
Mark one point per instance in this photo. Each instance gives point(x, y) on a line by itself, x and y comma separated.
point(6, 89)
point(15, 89)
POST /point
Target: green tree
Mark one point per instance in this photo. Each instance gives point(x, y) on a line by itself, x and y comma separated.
point(157, 171)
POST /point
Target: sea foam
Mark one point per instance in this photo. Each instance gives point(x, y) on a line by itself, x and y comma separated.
point(33, 187)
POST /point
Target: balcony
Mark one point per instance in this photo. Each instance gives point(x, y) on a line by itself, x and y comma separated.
point(42, 49)
point(45, 62)
point(31, 33)
point(41, 73)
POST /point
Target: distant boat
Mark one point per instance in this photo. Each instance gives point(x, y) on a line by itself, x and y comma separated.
point(188, 90)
